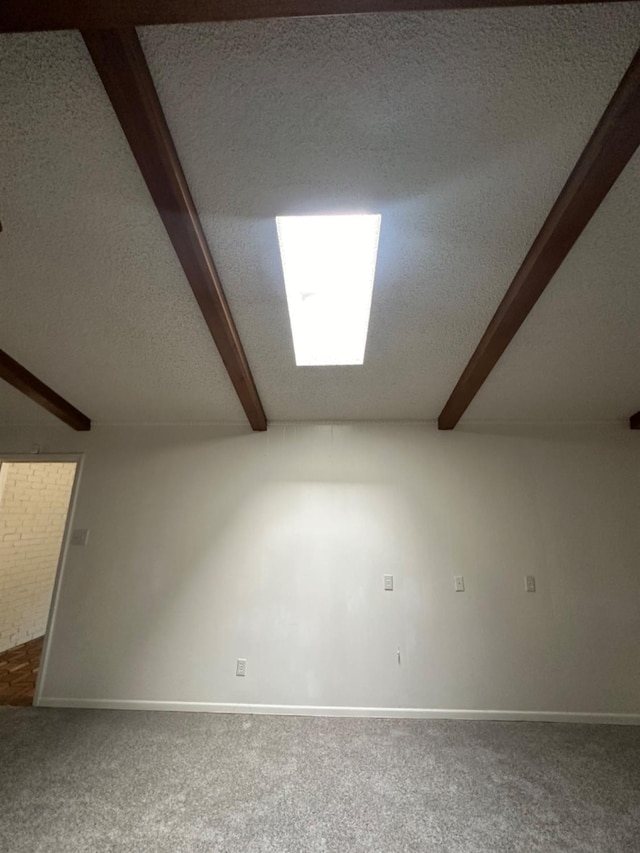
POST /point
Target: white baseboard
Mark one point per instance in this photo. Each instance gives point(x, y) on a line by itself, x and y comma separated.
point(341, 711)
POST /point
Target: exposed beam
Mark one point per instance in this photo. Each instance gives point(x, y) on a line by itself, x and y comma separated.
point(24, 15)
point(18, 376)
point(610, 148)
point(121, 64)
point(634, 421)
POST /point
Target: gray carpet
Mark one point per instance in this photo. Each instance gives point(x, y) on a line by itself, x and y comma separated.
point(131, 781)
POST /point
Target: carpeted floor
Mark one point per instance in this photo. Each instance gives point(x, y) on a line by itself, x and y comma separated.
point(95, 781)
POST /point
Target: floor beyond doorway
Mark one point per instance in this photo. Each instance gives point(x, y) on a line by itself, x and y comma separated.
point(19, 672)
point(115, 781)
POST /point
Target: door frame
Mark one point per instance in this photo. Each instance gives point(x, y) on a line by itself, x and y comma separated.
point(78, 458)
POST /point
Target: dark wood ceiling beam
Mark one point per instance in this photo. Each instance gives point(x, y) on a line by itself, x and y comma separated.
point(25, 15)
point(123, 69)
point(634, 421)
point(610, 148)
point(21, 379)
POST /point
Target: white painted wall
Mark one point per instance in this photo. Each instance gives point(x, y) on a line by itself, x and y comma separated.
point(209, 544)
point(34, 498)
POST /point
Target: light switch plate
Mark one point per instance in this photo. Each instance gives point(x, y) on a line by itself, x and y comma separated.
point(458, 583)
point(241, 666)
point(388, 583)
point(80, 536)
point(530, 583)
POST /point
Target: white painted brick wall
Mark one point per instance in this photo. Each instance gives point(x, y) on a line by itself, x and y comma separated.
point(34, 498)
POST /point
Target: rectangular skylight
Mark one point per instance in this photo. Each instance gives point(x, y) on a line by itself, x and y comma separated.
point(329, 264)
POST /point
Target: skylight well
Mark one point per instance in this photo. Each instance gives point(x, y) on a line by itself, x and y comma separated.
point(329, 265)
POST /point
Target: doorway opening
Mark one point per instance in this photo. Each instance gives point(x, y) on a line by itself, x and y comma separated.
point(35, 497)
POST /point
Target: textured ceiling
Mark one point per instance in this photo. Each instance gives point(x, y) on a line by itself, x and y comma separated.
point(92, 298)
point(17, 409)
point(459, 128)
point(578, 355)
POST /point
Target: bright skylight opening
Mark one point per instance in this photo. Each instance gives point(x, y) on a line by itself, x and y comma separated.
point(329, 265)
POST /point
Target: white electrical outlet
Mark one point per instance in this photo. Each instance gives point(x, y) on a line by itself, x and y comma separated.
point(241, 666)
point(530, 583)
point(388, 583)
point(458, 583)
point(79, 536)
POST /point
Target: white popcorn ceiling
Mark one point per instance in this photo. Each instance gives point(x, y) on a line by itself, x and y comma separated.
point(93, 300)
point(17, 409)
point(459, 128)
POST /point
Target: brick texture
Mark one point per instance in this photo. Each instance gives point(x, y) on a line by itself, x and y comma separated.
point(34, 498)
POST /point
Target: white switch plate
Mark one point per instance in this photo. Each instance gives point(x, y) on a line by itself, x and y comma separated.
point(458, 583)
point(241, 666)
point(388, 583)
point(80, 536)
point(530, 583)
